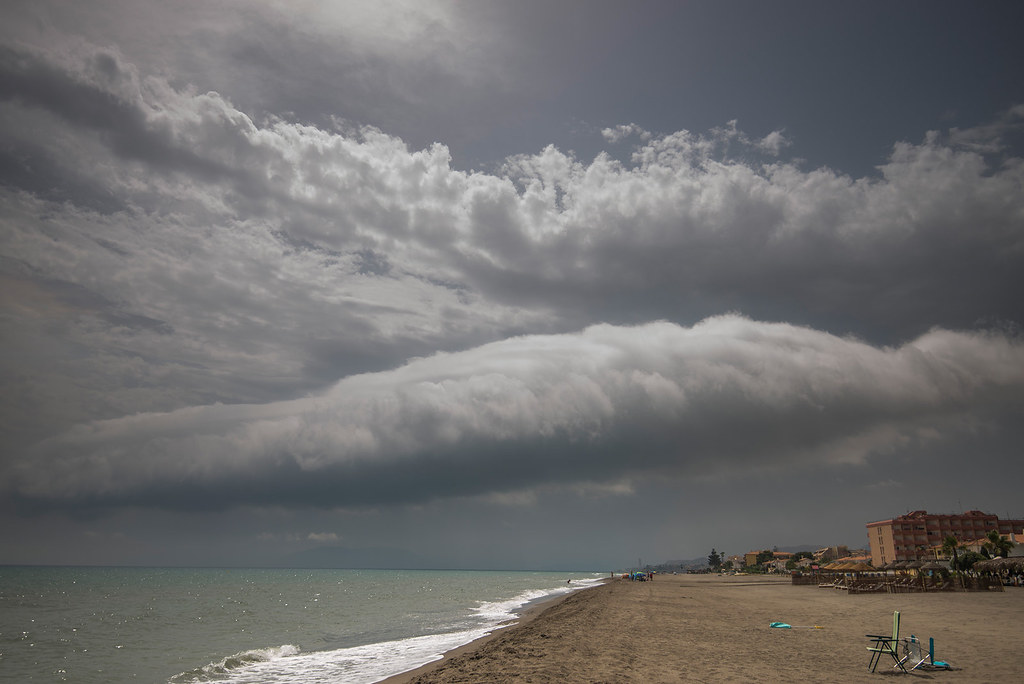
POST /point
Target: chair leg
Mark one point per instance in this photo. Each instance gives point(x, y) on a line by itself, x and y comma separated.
point(896, 657)
point(889, 648)
point(876, 655)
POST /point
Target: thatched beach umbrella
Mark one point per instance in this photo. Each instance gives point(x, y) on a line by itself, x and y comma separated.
point(858, 568)
point(1015, 564)
point(999, 564)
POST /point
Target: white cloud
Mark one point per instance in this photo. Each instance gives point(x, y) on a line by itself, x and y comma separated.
point(774, 142)
point(623, 131)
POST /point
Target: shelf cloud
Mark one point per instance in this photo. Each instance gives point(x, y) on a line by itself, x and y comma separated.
point(727, 393)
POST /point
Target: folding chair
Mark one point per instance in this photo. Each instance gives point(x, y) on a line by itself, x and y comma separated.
point(886, 645)
point(913, 653)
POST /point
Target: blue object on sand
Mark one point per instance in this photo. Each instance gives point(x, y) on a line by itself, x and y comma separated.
point(781, 625)
point(931, 656)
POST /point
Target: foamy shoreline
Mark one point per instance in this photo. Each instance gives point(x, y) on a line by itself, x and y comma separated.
point(709, 628)
point(528, 613)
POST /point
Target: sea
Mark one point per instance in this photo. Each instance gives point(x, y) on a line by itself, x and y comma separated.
point(184, 625)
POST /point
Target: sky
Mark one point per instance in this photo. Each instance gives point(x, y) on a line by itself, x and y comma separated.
point(520, 285)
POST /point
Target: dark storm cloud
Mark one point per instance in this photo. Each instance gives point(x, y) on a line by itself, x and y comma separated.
point(244, 263)
point(685, 233)
point(728, 394)
point(299, 255)
point(694, 225)
point(32, 81)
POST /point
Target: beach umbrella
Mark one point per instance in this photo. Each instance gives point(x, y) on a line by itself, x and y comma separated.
point(997, 564)
point(914, 565)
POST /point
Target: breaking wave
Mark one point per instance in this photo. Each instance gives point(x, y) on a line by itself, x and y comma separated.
point(223, 669)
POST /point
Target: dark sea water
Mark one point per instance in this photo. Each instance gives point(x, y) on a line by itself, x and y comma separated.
point(71, 624)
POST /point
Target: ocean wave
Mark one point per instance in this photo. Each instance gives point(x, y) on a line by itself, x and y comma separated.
point(500, 611)
point(222, 669)
point(368, 663)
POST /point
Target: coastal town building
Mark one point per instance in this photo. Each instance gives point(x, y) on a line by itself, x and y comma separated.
point(915, 535)
point(806, 563)
point(831, 553)
point(771, 561)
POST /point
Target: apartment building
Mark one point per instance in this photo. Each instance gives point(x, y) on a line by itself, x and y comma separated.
point(912, 536)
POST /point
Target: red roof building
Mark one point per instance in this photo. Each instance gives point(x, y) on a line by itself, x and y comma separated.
point(912, 536)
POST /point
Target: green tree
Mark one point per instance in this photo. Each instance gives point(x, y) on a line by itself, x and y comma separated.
point(714, 559)
point(998, 546)
point(764, 556)
point(968, 560)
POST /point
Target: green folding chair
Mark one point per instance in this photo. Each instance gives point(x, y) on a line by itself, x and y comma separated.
point(882, 645)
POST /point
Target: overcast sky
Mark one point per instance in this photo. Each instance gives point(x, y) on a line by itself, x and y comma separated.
point(504, 284)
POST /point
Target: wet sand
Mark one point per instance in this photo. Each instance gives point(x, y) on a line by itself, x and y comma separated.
point(706, 628)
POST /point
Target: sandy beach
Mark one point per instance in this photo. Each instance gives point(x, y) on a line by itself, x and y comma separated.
point(706, 628)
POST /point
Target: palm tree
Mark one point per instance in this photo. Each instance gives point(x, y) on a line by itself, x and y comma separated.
point(949, 547)
point(997, 545)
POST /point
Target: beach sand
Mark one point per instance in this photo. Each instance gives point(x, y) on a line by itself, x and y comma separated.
point(705, 628)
